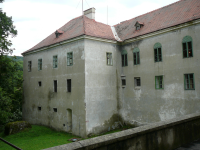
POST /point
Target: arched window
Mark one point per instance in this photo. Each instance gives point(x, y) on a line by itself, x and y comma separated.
point(136, 56)
point(157, 52)
point(124, 58)
point(187, 47)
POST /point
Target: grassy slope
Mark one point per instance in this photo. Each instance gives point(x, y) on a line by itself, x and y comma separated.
point(39, 137)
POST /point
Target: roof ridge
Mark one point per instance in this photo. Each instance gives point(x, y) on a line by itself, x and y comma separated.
point(151, 11)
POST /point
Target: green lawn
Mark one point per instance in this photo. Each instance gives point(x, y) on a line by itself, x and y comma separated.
point(39, 137)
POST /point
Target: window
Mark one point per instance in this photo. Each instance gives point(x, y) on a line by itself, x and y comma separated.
point(137, 82)
point(123, 82)
point(136, 56)
point(39, 64)
point(39, 83)
point(187, 47)
point(124, 58)
point(55, 109)
point(29, 66)
point(159, 82)
point(189, 81)
point(55, 85)
point(68, 85)
point(158, 52)
point(55, 61)
point(139, 25)
point(69, 59)
point(109, 59)
point(39, 108)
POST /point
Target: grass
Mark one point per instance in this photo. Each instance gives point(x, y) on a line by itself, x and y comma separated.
point(36, 138)
point(41, 137)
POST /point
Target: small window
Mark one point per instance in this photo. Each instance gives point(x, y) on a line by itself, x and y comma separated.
point(29, 66)
point(69, 59)
point(55, 109)
point(189, 81)
point(137, 82)
point(136, 56)
point(109, 59)
point(55, 61)
point(158, 52)
point(187, 47)
point(39, 83)
point(39, 108)
point(55, 85)
point(124, 58)
point(123, 82)
point(159, 82)
point(39, 64)
point(68, 85)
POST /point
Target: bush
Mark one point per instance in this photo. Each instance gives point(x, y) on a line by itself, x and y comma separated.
point(14, 127)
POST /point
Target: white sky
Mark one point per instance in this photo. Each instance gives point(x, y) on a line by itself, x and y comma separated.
point(37, 19)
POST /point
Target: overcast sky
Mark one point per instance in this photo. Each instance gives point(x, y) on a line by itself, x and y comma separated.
point(37, 19)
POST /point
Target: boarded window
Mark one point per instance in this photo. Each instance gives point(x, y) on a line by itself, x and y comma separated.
point(55, 85)
point(68, 85)
point(69, 59)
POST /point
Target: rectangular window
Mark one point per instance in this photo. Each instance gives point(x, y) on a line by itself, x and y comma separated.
point(187, 49)
point(55, 85)
point(159, 82)
point(136, 57)
point(29, 66)
point(55, 61)
point(69, 85)
point(189, 81)
point(123, 82)
point(124, 60)
point(39, 83)
point(109, 59)
point(55, 109)
point(158, 54)
point(39, 64)
point(39, 108)
point(69, 59)
point(137, 82)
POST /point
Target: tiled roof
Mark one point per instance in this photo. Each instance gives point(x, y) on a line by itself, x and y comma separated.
point(76, 27)
point(168, 16)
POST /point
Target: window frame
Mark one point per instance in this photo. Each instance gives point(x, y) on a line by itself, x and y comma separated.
point(186, 40)
point(69, 55)
point(123, 81)
point(156, 48)
point(185, 84)
point(55, 61)
point(135, 80)
point(160, 76)
point(29, 66)
point(136, 51)
point(39, 64)
point(124, 56)
point(109, 60)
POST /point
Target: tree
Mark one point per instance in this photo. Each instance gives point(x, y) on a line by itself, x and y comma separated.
point(7, 29)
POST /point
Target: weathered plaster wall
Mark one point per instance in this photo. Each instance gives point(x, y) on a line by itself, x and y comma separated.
point(101, 87)
point(44, 97)
point(148, 104)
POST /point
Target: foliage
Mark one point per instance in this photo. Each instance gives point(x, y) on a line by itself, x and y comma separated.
point(41, 137)
point(7, 29)
point(11, 78)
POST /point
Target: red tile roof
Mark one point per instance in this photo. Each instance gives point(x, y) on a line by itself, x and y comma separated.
point(168, 16)
point(76, 27)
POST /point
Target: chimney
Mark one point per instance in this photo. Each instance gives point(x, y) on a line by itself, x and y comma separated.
point(90, 13)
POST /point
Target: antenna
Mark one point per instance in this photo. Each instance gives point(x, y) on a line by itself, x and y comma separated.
point(107, 14)
point(82, 7)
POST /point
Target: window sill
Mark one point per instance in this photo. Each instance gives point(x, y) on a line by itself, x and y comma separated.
point(137, 88)
point(123, 86)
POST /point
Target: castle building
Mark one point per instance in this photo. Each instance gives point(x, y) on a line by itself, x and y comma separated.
point(88, 77)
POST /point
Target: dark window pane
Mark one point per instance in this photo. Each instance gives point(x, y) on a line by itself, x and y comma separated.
point(155, 54)
point(189, 49)
point(138, 58)
point(138, 82)
point(159, 54)
point(126, 62)
point(68, 85)
point(55, 85)
point(135, 57)
point(123, 82)
point(122, 60)
point(184, 50)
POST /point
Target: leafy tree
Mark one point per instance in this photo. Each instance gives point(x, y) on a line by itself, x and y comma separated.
point(6, 29)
